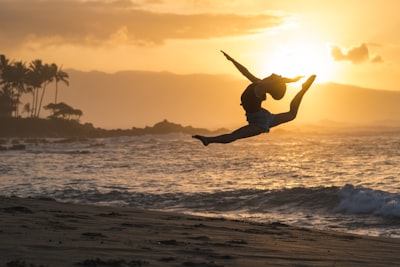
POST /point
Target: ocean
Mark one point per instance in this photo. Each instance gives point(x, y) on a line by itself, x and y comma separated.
point(346, 182)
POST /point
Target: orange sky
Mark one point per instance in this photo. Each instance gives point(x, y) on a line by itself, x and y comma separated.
point(348, 42)
point(351, 42)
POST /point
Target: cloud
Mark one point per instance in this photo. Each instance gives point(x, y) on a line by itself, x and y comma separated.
point(355, 54)
point(47, 22)
point(377, 59)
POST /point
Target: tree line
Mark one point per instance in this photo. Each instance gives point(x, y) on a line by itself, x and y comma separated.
point(18, 78)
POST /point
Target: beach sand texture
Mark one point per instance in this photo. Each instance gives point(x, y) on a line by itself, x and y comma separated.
point(35, 232)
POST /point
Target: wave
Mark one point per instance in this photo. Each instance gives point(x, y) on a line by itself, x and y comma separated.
point(359, 200)
point(349, 200)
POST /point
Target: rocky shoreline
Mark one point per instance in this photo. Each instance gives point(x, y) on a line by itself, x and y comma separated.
point(58, 128)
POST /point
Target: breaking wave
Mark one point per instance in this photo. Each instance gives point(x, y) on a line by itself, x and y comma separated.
point(349, 200)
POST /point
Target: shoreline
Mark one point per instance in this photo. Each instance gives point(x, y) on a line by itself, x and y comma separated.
point(40, 232)
point(60, 128)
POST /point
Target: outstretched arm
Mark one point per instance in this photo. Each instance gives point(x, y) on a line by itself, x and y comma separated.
point(292, 80)
point(242, 68)
point(294, 105)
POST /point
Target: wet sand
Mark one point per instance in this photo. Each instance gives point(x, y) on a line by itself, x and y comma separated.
point(47, 233)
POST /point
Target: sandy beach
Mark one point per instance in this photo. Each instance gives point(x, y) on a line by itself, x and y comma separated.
point(40, 232)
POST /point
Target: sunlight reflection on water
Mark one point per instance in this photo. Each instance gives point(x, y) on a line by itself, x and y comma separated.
point(159, 164)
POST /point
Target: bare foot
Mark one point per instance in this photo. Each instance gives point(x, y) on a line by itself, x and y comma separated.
point(309, 82)
point(203, 139)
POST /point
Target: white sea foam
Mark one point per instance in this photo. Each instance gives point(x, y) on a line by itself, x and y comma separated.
point(359, 200)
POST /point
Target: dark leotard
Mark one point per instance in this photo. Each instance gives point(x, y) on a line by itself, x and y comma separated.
point(250, 102)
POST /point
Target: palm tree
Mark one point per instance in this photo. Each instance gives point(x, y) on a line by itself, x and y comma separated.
point(18, 82)
point(40, 76)
point(64, 111)
point(6, 104)
point(48, 73)
point(13, 76)
point(4, 62)
point(60, 76)
point(5, 71)
point(34, 81)
point(17, 79)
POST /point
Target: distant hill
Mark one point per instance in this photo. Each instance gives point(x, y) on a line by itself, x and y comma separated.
point(138, 98)
point(344, 103)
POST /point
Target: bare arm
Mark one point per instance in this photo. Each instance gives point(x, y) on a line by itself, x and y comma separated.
point(243, 70)
point(294, 104)
point(285, 79)
point(292, 80)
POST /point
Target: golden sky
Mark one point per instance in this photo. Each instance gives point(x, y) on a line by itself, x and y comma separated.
point(353, 42)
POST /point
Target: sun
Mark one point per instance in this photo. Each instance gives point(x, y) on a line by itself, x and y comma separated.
point(295, 59)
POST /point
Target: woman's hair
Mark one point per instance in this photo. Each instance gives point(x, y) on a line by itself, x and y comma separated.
point(275, 85)
point(277, 89)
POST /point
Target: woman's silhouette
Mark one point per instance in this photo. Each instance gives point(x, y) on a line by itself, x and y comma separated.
point(259, 119)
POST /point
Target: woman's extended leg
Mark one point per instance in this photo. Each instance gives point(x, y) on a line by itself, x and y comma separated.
point(243, 132)
point(294, 104)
